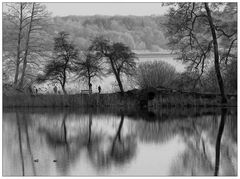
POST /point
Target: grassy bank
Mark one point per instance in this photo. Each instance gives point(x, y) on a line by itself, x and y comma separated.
point(115, 100)
point(80, 100)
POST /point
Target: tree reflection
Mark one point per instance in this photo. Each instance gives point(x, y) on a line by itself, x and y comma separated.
point(23, 120)
point(199, 156)
point(57, 140)
point(90, 128)
point(121, 150)
point(26, 120)
point(20, 142)
point(207, 144)
point(218, 142)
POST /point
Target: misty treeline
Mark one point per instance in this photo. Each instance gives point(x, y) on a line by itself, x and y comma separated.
point(39, 47)
point(139, 33)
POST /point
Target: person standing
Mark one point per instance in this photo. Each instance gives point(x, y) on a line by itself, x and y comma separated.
point(55, 89)
point(99, 89)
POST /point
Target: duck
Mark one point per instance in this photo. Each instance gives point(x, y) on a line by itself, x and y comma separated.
point(54, 160)
point(36, 160)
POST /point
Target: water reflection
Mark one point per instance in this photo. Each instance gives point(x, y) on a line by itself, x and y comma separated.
point(115, 142)
point(20, 142)
point(218, 143)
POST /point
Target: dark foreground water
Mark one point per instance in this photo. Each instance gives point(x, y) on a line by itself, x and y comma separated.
point(113, 142)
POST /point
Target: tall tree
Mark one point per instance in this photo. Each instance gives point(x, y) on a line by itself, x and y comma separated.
point(196, 31)
point(62, 63)
point(15, 21)
point(119, 58)
point(89, 66)
point(37, 14)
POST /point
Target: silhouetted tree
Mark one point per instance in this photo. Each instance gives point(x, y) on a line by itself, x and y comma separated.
point(119, 57)
point(65, 54)
point(89, 67)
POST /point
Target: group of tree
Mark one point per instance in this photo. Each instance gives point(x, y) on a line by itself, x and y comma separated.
point(103, 57)
point(24, 44)
point(29, 47)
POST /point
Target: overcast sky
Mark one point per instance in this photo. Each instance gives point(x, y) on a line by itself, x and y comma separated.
point(138, 9)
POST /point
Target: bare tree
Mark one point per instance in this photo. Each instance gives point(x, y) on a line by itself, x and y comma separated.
point(119, 58)
point(37, 14)
point(24, 39)
point(196, 30)
point(89, 66)
point(62, 63)
point(16, 15)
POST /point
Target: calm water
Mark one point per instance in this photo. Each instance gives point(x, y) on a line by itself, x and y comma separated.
point(110, 142)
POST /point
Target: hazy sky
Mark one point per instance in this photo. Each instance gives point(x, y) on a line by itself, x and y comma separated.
point(138, 9)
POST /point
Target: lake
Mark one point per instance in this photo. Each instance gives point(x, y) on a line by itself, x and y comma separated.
point(89, 142)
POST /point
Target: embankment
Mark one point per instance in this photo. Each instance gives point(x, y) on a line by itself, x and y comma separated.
point(143, 99)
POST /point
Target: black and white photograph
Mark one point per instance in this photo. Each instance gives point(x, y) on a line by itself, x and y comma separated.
point(120, 89)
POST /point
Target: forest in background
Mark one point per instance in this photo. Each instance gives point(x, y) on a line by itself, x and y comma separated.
point(145, 33)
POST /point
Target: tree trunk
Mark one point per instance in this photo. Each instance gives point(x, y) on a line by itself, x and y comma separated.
point(64, 82)
point(63, 88)
point(216, 55)
point(117, 78)
point(18, 47)
point(16, 73)
point(26, 49)
point(89, 83)
point(120, 84)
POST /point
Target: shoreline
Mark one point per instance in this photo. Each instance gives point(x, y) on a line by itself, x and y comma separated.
point(143, 100)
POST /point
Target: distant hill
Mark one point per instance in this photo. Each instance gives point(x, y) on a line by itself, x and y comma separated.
point(139, 32)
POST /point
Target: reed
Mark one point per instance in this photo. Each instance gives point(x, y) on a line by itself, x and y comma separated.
point(79, 100)
point(111, 100)
point(185, 100)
